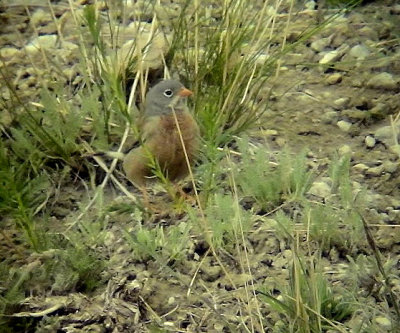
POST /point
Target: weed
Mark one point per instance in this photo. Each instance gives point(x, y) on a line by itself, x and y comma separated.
point(22, 195)
point(271, 183)
point(308, 303)
point(165, 246)
point(226, 221)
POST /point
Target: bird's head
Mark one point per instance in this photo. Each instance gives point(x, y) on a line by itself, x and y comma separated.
point(164, 96)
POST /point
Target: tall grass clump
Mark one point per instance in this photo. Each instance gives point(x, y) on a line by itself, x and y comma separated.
point(23, 193)
point(165, 246)
point(221, 59)
point(309, 302)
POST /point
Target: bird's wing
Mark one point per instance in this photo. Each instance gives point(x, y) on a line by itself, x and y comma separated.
point(150, 128)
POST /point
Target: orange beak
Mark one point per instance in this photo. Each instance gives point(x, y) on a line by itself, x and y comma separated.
point(185, 92)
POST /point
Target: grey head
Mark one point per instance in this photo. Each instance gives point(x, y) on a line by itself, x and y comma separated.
point(164, 96)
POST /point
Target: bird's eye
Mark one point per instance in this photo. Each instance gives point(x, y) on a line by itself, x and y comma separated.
point(168, 93)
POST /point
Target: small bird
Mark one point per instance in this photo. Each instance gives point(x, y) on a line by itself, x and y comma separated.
point(161, 141)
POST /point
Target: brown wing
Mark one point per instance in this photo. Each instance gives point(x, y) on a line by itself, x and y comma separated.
point(161, 139)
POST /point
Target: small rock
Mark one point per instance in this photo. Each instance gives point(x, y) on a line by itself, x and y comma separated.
point(382, 81)
point(345, 150)
point(40, 17)
point(310, 5)
point(320, 189)
point(360, 167)
point(342, 102)
point(355, 114)
point(384, 322)
point(387, 134)
point(320, 44)
point(8, 52)
point(334, 55)
point(269, 132)
point(368, 32)
point(395, 149)
point(395, 10)
point(375, 171)
point(379, 110)
point(359, 51)
point(329, 117)
point(334, 78)
point(281, 142)
point(394, 214)
point(345, 126)
point(390, 167)
point(370, 141)
point(42, 42)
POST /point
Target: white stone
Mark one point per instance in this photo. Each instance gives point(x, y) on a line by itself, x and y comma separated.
point(370, 141)
point(383, 81)
point(42, 42)
point(345, 150)
point(342, 102)
point(345, 126)
point(334, 55)
point(320, 189)
point(359, 51)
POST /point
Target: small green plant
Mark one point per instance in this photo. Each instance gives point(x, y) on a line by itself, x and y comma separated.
point(75, 268)
point(12, 292)
point(165, 246)
point(309, 303)
point(225, 219)
point(22, 193)
point(324, 225)
point(272, 183)
point(339, 172)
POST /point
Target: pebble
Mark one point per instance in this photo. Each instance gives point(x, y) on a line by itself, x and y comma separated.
point(375, 171)
point(329, 117)
point(384, 322)
point(334, 78)
point(390, 167)
point(334, 55)
point(360, 167)
point(359, 52)
point(386, 134)
point(382, 81)
point(380, 110)
point(310, 5)
point(45, 42)
point(345, 150)
point(370, 141)
point(8, 52)
point(342, 102)
point(345, 126)
point(320, 189)
point(320, 44)
point(40, 17)
point(394, 214)
point(368, 32)
point(269, 132)
point(395, 10)
point(395, 149)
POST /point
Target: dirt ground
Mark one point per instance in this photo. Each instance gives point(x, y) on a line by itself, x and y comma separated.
point(348, 105)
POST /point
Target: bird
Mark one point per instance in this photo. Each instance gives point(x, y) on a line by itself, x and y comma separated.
point(161, 142)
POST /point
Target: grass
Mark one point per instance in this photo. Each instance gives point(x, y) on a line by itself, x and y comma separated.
point(68, 235)
point(308, 303)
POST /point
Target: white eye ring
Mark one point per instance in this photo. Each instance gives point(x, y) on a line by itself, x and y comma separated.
point(168, 93)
